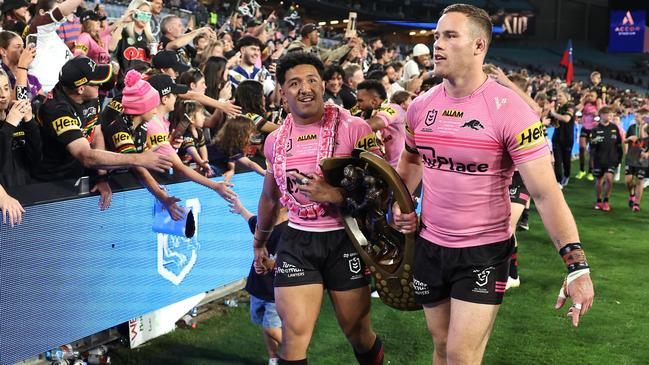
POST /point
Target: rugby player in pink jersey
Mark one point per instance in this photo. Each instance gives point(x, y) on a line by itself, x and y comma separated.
point(385, 118)
point(314, 251)
point(464, 138)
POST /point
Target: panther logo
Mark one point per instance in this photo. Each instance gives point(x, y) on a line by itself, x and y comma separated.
point(473, 124)
point(483, 277)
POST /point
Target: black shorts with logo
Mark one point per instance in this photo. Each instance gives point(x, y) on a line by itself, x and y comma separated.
point(600, 170)
point(518, 193)
point(473, 274)
point(640, 172)
point(327, 258)
point(584, 133)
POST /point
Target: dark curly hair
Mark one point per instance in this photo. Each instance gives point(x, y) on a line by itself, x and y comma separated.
point(294, 59)
point(250, 97)
point(235, 135)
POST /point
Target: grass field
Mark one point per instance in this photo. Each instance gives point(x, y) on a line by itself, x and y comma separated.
point(528, 329)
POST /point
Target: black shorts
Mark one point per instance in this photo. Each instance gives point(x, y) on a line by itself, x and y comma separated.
point(584, 133)
point(327, 258)
point(473, 274)
point(640, 172)
point(518, 193)
point(600, 170)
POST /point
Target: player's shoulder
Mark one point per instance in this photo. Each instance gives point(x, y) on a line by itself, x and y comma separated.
point(425, 98)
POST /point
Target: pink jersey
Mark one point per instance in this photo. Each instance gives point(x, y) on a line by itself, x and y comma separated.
point(301, 156)
point(588, 116)
point(393, 135)
point(85, 44)
point(157, 133)
point(468, 147)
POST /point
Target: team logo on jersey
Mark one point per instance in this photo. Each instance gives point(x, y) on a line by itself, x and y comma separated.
point(473, 124)
point(453, 113)
point(307, 137)
point(116, 106)
point(121, 138)
point(431, 116)
point(500, 102)
point(289, 144)
point(530, 137)
point(438, 162)
point(368, 142)
point(177, 254)
point(388, 110)
point(65, 124)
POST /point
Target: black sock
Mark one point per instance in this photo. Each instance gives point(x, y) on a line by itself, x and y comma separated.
point(599, 200)
point(513, 264)
point(526, 214)
point(372, 357)
point(582, 158)
point(605, 200)
point(292, 362)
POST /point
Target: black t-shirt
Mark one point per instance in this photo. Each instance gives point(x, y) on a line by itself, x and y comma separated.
point(261, 286)
point(564, 133)
point(606, 145)
point(62, 122)
point(186, 53)
point(20, 150)
point(189, 140)
point(636, 147)
point(131, 49)
point(348, 96)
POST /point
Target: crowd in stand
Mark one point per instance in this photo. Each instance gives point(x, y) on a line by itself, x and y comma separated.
point(85, 96)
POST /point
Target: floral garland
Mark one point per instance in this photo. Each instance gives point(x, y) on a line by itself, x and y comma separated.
point(326, 149)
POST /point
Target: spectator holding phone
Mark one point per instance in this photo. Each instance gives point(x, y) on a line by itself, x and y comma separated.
point(135, 37)
point(16, 60)
point(20, 139)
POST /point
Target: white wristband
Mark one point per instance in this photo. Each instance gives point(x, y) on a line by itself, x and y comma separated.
point(576, 274)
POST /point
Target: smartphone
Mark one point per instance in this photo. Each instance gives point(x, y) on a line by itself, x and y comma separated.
point(32, 39)
point(181, 128)
point(351, 25)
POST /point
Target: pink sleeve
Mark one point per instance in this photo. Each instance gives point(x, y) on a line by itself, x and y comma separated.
point(82, 45)
point(362, 136)
point(410, 125)
point(523, 135)
point(387, 114)
point(156, 135)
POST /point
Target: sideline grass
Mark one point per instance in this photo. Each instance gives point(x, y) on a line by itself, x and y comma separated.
point(528, 330)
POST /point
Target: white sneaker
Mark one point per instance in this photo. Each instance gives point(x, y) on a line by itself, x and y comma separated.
point(375, 294)
point(560, 186)
point(513, 283)
point(645, 184)
point(565, 181)
point(273, 361)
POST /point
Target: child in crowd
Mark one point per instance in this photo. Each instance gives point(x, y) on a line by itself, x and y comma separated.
point(260, 286)
point(193, 148)
point(228, 147)
point(636, 162)
point(606, 151)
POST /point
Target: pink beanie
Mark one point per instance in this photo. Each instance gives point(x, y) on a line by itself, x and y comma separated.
point(138, 96)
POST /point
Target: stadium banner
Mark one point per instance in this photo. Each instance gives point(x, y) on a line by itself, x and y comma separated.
point(70, 270)
point(627, 31)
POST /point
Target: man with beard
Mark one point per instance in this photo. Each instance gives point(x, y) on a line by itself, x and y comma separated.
point(67, 152)
point(464, 138)
point(314, 252)
point(385, 118)
point(250, 48)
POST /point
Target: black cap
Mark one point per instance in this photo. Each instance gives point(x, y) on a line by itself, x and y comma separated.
point(166, 85)
point(249, 40)
point(308, 28)
point(90, 15)
point(10, 5)
point(82, 70)
point(169, 59)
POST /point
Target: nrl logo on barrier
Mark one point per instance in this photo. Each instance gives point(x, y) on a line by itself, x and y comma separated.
point(176, 255)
